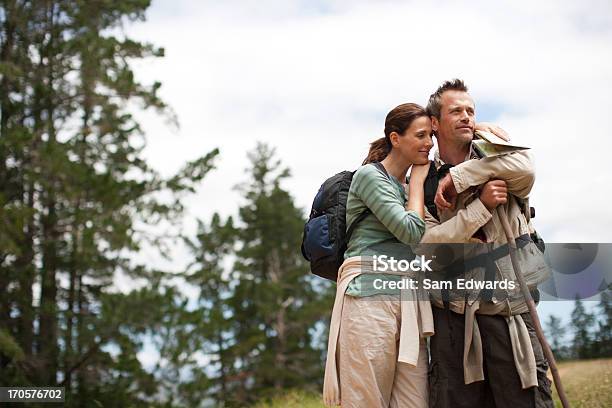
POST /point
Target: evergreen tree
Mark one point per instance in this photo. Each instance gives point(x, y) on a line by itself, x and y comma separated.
point(254, 328)
point(76, 197)
point(604, 334)
point(556, 332)
point(275, 305)
point(582, 324)
point(209, 327)
point(78, 200)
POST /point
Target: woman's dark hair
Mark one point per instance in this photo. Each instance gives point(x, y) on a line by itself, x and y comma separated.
point(398, 120)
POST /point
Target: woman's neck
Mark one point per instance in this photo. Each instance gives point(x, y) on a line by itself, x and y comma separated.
point(396, 166)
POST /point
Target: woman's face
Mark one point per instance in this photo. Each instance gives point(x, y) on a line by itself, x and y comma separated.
point(415, 144)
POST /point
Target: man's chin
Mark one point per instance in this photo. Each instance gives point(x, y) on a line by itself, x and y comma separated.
point(464, 135)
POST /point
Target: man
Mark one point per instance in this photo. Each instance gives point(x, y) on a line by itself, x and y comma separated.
point(484, 352)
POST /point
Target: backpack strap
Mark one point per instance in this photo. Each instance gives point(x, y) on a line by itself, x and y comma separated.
point(382, 169)
point(429, 188)
point(357, 220)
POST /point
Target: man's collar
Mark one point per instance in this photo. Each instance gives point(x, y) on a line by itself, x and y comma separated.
point(439, 162)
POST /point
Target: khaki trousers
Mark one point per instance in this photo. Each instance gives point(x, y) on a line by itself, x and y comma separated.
point(370, 375)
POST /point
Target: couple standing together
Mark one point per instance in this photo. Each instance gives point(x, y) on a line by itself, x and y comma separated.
point(482, 353)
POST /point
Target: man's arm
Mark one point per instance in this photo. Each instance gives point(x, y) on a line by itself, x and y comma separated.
point(516, 169)
point(464, 224)
point(459, 228)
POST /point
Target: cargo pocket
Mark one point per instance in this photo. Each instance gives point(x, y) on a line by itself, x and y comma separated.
point(317, 243)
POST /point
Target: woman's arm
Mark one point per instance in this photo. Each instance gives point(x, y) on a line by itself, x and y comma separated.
point(377, 193)
point(416, 195)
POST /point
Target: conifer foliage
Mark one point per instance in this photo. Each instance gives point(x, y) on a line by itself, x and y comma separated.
point(78, 201)
point(259, 307)
point(588, 331)
point(75, 195)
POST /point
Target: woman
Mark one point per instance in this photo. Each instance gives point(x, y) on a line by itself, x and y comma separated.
point(377, 355)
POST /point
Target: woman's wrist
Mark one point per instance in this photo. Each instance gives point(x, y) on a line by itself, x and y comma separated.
point(416, 182)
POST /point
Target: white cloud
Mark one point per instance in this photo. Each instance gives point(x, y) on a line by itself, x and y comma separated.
point(316, 80)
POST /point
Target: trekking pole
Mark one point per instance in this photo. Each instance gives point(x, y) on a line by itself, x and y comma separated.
point(532, 308)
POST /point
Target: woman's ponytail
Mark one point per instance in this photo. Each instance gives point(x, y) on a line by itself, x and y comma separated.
point(379, 149)
point(398, 120)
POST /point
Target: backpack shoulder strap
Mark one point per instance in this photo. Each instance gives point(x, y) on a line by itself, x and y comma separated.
point(357, 220)
point(430, 187)
point(382, 169)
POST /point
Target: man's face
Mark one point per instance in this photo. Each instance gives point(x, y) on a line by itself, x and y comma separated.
point(456, 123)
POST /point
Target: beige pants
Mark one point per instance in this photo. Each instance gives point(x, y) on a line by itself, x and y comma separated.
point(370, 375)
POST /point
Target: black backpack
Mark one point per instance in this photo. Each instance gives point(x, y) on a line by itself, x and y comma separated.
point(325, 234)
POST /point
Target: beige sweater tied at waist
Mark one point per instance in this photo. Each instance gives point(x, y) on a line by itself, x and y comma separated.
point(416, 317)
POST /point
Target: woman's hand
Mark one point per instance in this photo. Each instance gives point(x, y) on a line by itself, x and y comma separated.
point(492, 128)
point(418, 173)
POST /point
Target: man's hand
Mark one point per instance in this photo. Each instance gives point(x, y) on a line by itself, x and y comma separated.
point(492, 128)
point(446, 195)
point(494, 193)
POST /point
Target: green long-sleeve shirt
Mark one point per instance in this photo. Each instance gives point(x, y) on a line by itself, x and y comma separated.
point(386, 227)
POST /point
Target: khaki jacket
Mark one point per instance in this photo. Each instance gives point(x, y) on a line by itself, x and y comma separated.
point(470, 215)
point(459, 226)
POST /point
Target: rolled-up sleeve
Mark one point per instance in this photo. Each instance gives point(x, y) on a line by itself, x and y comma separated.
point(459, 228)
point(516, 169)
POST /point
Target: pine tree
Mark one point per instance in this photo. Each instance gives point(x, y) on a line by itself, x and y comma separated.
point(77, 198)
point(604, 334)
point(582, 324)
point(556, 332)
point(275, 305)
point(210, 322)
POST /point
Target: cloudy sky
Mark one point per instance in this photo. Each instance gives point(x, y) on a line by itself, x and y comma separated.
point(316, 78)
point(319, 76)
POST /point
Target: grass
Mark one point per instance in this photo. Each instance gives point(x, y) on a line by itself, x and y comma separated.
point(588, 383)
point(294, 399)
